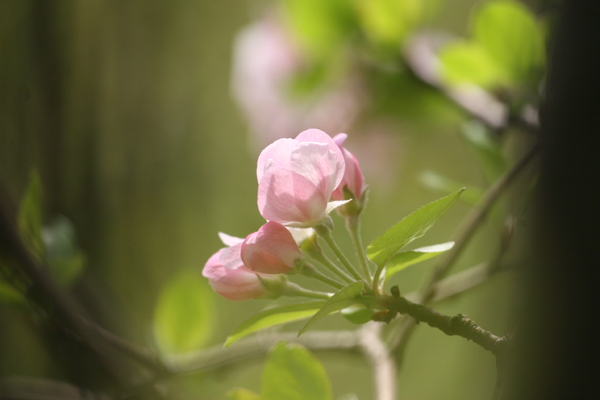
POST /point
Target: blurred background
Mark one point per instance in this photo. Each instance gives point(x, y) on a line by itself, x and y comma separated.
point(144, 120)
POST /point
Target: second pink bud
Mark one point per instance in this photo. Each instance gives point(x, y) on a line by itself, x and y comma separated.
point(271, 250)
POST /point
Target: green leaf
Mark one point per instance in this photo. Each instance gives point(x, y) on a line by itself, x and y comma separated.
point(184, 317)
point(342, 299)
point(10, 295)
point(440, 183)
point(293, 373)
point(465, 62)
point(486, 148)
point(357, 314)
point(65, 260)
point(242, 394)
point(512, 37)
point(410, 228)
point(30, 216)
point(389, 22)
point(408, 258)
point(274, 316)
point(320, 27)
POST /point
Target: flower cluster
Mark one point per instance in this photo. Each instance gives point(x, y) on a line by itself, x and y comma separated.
point(300, 181)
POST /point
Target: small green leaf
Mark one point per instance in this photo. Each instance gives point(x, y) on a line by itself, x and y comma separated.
point(65, 260)
point(10, 295)
point(486, 148)
point(242, 394)
point(30, 216)
point(293, 373)
point(440, 183)
point(274, 316)
point(342, 299)
point(409, 228)
point(408, 258)
point(512, 37)
point(357, 314)
point(389, 22)
point(320, 27)
point(184, 317)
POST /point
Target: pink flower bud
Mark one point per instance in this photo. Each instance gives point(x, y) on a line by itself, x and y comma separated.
point(271, 250)
point(353, 176)
point(296, 178)
point(238, 283)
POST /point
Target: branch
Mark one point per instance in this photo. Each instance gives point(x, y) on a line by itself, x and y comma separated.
point(61, 304)
point(382, 364)
point(218, 357)
point(459, 325)
point(420, 57)
point(474, 219)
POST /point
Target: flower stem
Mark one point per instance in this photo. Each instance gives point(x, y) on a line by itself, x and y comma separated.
point(311, 272)
point(317, 255)
point(293, 290)
point(353, 226)
point(325, 233)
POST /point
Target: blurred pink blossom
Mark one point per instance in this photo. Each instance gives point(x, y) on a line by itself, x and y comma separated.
point(271, 250)
point(296, 178)
point(265, 60)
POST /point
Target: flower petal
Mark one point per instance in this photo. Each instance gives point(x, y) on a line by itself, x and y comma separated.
point(278, 151)
point(231, 257)
point(229, 240)
point(317, 163)
point(287, 197)
point(318, 136)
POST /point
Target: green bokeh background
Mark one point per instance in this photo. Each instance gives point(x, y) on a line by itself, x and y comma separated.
point(124, 108)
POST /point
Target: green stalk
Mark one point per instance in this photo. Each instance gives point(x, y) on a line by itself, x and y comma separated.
point(311, 272)
point(353, 226)
point(318, 256)
point(293, 290)
point(325, 233)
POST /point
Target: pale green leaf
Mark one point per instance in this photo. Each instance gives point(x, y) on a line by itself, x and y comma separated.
point(468, 63)
point(320, 27)
point(242, 394)
point(274, 316)
point(409, 228)
point(407, 258)
point(357, 314)
point(512, 37)
point(486, 148)
point(293, 373)
point(184, 317)
point(65, 260)
point(10, 295)
point(346, 297)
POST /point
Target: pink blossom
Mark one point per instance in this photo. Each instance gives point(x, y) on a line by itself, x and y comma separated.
point(266, 59)
point(271, 250)
point(296, 178)
point(229, 277)
point(353, 176)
